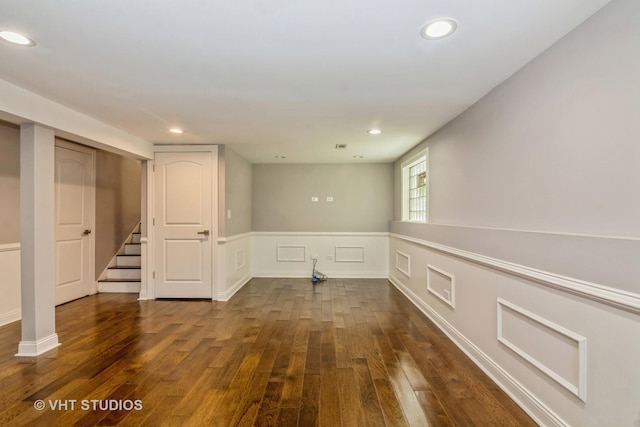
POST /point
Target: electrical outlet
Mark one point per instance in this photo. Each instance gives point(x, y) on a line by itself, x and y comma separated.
point(329, 199)
point(313, 257)
point(229, 214)
point(314, 199)
point(329, 257)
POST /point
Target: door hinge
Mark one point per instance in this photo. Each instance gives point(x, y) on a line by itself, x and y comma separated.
point(154, 168)
point(153, 275)
point(154, 221)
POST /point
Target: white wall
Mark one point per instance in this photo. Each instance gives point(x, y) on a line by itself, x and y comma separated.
point(534, 207)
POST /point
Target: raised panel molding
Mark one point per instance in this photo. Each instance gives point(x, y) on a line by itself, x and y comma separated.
point(349, 254)
point(544, 325)
point(240, 259)
point(403, 263)
point(446, 293)
point(291, 253)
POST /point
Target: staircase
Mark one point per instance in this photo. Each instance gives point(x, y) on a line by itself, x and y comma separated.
point(123, 276)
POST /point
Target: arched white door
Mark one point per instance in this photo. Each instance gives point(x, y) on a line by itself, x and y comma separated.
point(183, 224)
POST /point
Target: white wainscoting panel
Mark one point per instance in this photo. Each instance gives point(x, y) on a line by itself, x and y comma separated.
point(233, 266)
point(442, 285)
point(10, 304)
point(340, 255)
point(558, 352)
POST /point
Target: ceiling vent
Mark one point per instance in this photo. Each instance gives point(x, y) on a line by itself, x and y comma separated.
point(341, 146)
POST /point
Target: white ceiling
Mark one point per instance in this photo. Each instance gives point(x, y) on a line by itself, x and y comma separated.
point(277, 77)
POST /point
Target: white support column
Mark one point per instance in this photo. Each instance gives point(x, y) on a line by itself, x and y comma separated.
point(37, 231)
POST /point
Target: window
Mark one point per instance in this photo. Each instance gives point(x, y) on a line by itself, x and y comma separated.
point(415, 188)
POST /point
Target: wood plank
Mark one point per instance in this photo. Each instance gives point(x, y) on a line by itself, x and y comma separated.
point(351, 410)
point(292, 391)
point(389, 403)
point(329, 398)
point(310, 407)
point(368, 397)
point(270, 405)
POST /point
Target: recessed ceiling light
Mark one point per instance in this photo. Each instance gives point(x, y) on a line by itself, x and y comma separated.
point(280, 157)
point(177, 131)
point(374, 131)
point(438, 28)
point(16, 38)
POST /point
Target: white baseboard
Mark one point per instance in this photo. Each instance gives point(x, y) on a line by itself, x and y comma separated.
point(36, 348)
point(10, 317)
point(226, 295)
point(537, 410)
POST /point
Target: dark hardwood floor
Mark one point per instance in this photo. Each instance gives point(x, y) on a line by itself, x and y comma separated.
point(281, 352)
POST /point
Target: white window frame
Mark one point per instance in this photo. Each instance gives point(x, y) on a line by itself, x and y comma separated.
point(406, 166)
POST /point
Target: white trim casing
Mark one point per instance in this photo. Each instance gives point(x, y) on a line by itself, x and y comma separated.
point(147, 283)
point(404, 170)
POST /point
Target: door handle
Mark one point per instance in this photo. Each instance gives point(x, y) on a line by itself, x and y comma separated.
point(205, 232)
point(86, 232)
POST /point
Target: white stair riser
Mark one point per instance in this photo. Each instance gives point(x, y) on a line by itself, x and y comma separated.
point(119, 287)
point(128, 261)
point(135, 238)
point(123, 273)
point(132, 249)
